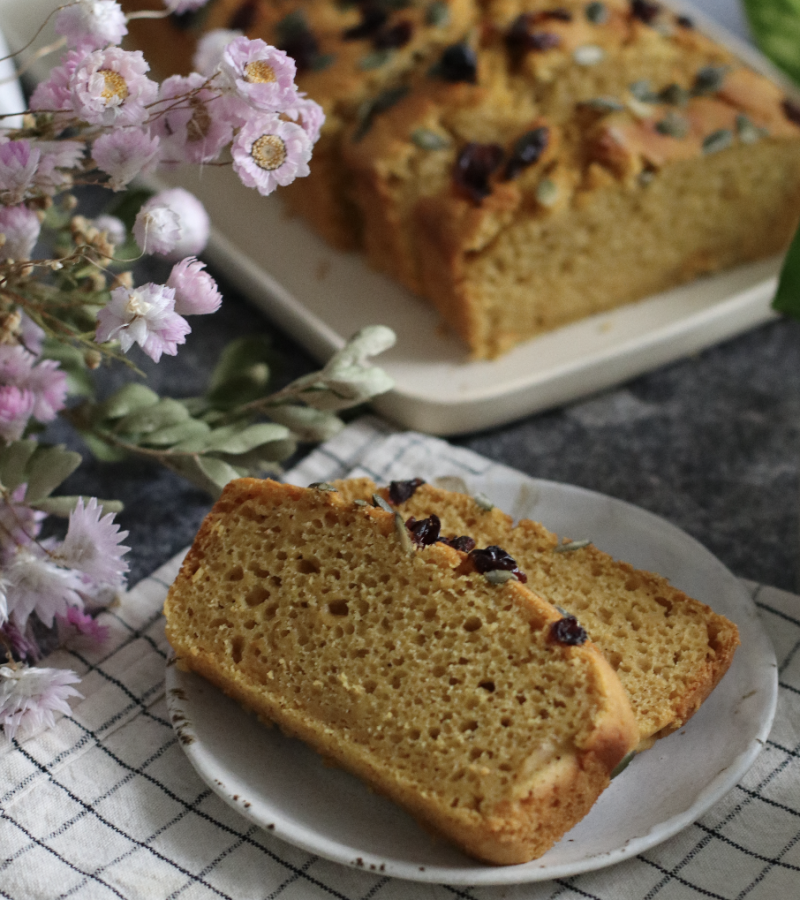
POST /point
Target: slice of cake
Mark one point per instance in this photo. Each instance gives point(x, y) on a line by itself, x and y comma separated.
point(464, 697)
point(668, 649)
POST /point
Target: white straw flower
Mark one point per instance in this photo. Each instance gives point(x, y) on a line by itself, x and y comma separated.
point(91, 24)
point(29, 696)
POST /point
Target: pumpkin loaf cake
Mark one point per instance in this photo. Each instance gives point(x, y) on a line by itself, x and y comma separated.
point(464, 697)
point(668, 649)
point(522, 164)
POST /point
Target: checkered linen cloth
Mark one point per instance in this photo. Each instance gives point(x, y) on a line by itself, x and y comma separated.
point(105, 804)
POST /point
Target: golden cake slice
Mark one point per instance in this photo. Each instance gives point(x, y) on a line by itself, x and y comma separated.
point(669, 650)
point(471, 702)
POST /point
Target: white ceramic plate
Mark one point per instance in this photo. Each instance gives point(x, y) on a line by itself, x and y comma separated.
point(321, 296)
point(281, 785)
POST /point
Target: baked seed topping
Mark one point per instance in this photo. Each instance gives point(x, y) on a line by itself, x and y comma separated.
point(603, 104)
point(474, 167)
point(547, 192)
point(498, 576)
point(568, 631)
point(588, 55)
point(718, 140)
point(685, 22)
point(673, 125)
point(568, 546)
point(400, 491)
point(402, 533)
point(493, 558)
point(483, 502)
point(374, 60)
point(323, 486)
point(674, 94)
point(527, 150)
point(424, 531)
point(360, 502)
point(426, 139)
point(378, 501)
point(622, 764)
point(746, 131)
point(597, 13)
point(437, 14)
point(708, 80)
point(371, 108)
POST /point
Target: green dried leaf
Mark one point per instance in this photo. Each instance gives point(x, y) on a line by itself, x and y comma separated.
point(128, 399)
point(787, 296)
point(163, 414)
point(174, 434)
point(101, 450)
point(217, 471)
point(63, 506)
point(13, 460)
point(47, 468)
point(238, 358)
point(261, 458)
point(307, 424)
point(226, 440)
point(776, 26)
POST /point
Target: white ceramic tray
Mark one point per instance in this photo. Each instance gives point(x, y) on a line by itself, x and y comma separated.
point(283, 786)
point(321, 297)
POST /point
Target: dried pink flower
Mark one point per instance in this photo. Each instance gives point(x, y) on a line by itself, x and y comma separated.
point(157, 228)
point(193, 221)
point(125, 153)
point(16, 408)
point(85, 624)
point(20, 226)
point(36, 584)
point(57, 165)
point(182, 6)
point(109, 87)
point(196, 122)
point(19, 524)
point(91, 24)
point(308, 114)
point(145, 316)
point(55, 94)
point(269, 152)
point(18, 164)
point(115, 230)
point(262, 75)
point(195, 290)
point(29, 696)
point(44, 380)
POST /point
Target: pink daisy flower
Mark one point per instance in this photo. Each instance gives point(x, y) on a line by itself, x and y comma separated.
point(125, 153)
point(269, 152)
point(91, 24)
point(144, 316)
point(20, 226)
point(18, 164)
point(309, 116)
point(109, 87)
point(29, 696)
point(55, 94)
point(195, 290)
point(260, 74)
point(196, 123)
point(210, 48)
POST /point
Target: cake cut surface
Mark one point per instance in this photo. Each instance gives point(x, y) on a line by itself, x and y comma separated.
point(668, 649)
point(463, 700)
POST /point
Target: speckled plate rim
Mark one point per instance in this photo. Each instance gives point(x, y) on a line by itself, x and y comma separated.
point(687, 772)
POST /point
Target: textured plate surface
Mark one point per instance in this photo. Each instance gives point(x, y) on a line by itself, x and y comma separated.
point(281, 785)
